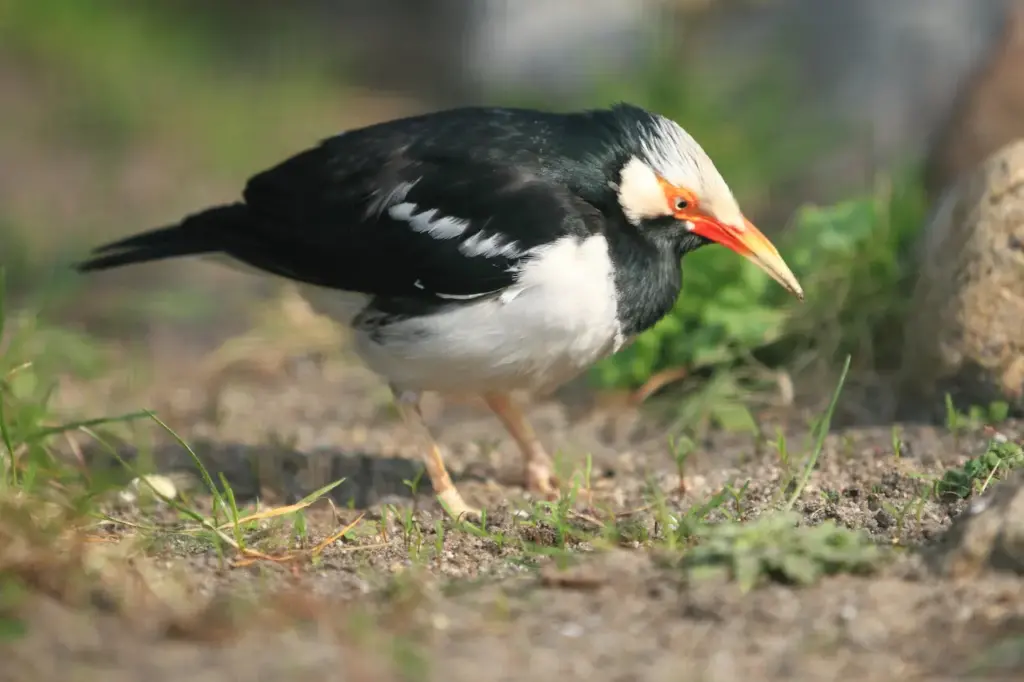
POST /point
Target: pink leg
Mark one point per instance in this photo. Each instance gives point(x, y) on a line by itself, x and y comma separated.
point(539, 470)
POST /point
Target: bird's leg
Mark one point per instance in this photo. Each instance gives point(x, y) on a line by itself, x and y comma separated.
point(539, 469)
point(409, 406)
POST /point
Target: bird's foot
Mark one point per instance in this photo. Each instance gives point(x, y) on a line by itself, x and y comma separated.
point(541, 480)
point(457, 507)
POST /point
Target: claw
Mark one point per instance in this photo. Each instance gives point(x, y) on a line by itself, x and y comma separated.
point(541, 479)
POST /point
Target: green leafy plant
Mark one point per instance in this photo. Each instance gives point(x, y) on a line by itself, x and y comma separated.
point(775, 547)
point(999, 458)
point(976, 416)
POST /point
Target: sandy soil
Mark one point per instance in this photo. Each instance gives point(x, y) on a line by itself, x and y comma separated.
point(381, 606)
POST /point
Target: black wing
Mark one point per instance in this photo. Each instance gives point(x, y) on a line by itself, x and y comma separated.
point(410, 226)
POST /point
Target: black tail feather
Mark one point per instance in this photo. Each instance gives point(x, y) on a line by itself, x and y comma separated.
point(116, 259)
point(204, 232)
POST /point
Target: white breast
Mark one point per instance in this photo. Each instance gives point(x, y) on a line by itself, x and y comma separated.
point(556, 321)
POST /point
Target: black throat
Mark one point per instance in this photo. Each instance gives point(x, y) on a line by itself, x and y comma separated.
point(648, 271)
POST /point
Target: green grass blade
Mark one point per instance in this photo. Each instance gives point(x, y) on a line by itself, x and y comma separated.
point(207, 479)
point(3, 296)
point(85, 423)
point(5, 431)
point(196, 516)
point(317, 494)
point(5, 434)
point(823, 428)
point(233, 510)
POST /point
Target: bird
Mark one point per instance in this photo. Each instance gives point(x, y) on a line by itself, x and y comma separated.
point(484, 251)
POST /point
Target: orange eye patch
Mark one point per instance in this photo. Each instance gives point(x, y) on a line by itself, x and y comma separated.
point(680, 201)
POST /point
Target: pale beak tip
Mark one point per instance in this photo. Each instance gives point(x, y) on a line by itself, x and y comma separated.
point(778, 270)
point(794, 288)
point(762, 252)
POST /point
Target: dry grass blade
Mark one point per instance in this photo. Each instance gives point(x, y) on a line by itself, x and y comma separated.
point(17, 368)
point(250, 557)
point(633, 512)
point(586, 517)
point(337, 536)
point(183, 509)
point(284, 511)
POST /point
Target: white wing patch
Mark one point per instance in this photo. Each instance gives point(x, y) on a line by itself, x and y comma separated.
point(383, 200)
point(489, 247)
point(427, 222)
point(441, 227)
point(445, 227)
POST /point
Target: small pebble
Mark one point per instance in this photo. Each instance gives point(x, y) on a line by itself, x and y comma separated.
point(573, 630)
point(138, 488)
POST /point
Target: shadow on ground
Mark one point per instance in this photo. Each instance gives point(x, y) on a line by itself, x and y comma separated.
point(271, 472)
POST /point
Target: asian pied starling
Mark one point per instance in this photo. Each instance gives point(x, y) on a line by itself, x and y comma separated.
point(485, 251)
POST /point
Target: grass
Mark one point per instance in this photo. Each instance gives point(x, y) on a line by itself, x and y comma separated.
point(35, 467)
point(49, 568)
point(820, 430)
point(27, 430)
point(976, 415)
point(62, 536)
point(32, 465)
point(713, 536)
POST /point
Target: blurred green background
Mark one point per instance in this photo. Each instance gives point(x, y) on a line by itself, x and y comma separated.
point(124, 115)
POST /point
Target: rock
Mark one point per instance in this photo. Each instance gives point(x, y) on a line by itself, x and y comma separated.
point(988, 112)
point(964, 332)
point(988, 535)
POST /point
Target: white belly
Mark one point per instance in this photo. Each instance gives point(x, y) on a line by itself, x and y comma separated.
point(559, 319)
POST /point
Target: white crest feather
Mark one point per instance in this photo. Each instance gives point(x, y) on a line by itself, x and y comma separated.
point(673, 154)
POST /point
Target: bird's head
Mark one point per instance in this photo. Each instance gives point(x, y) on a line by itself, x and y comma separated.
point(669, 177)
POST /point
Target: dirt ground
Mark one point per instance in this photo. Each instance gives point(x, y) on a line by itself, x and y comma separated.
point(381, 605)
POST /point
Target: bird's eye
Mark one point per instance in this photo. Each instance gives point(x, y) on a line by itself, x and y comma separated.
point(681, 204)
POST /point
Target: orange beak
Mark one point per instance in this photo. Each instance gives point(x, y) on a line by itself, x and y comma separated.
point(749, 242)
